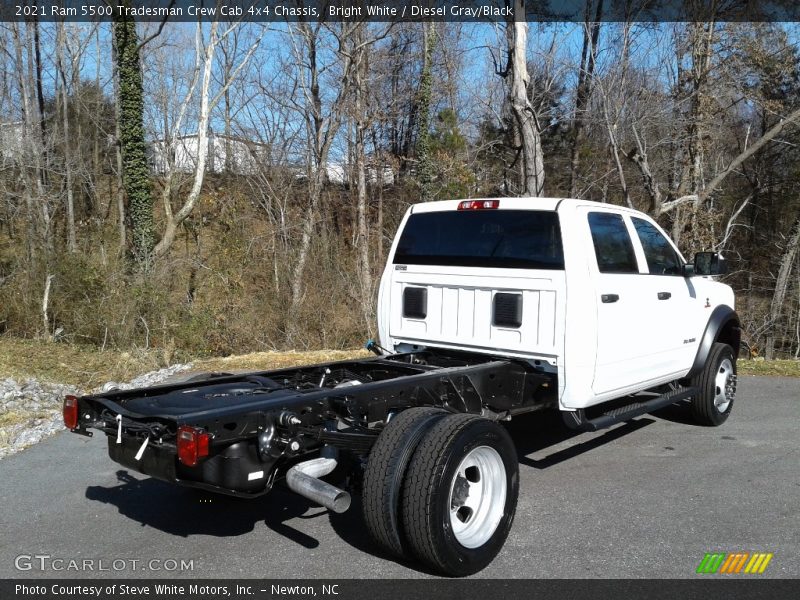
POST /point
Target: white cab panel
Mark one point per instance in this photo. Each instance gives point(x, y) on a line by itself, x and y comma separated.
point(460, 309)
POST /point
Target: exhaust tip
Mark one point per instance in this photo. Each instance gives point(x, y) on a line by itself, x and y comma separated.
point(341, 502)
point(303, 479)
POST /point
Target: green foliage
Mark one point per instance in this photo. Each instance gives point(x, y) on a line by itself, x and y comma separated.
point(426, 168)
point(446, 135)
point(136, 174)
point(449, 150)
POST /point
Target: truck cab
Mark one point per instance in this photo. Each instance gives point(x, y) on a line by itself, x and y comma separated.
point(596, 295)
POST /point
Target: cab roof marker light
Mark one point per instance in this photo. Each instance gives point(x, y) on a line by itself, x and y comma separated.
point(478, 204)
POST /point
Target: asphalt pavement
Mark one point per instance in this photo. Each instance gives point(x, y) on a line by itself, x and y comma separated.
point(644, 499)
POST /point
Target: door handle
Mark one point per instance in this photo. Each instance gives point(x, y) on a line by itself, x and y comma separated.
point(609, 298)
point(664, 295)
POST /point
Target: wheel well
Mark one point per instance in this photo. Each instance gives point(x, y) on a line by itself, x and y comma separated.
point(722, 326)
point(731, 334)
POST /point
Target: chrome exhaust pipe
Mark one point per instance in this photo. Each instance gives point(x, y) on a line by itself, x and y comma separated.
point(303, 479)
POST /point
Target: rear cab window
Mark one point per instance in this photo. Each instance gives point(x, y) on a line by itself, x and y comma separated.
point(613, 247)
point(511, 239)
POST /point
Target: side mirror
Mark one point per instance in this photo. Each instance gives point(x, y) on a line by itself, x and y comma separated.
point(709, 263)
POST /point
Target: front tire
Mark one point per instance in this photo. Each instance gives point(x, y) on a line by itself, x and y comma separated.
point(460, 494)
point(717, 383)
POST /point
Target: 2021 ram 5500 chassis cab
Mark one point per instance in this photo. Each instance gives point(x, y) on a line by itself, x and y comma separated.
point(487, 309)
point(594, 294)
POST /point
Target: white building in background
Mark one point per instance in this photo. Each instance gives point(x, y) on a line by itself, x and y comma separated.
point(244, 157)
point(225, 153)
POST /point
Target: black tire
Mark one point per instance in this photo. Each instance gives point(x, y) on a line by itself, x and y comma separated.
point(431, 490)
point(386, 467)
point(717, 383)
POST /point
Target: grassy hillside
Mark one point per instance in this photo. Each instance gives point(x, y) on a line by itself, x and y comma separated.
point(87, 367)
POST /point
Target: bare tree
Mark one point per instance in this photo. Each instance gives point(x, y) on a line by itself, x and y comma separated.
point(323, 119)
point(356, 48)
point(33, 144)
point(62, 41)
point(525, 118)
point(776, 308)
point(203, 75)
point(583, 90)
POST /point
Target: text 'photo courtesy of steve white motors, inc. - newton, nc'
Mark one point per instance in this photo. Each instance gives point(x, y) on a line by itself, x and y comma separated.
point(258, 10)
point(142, 589)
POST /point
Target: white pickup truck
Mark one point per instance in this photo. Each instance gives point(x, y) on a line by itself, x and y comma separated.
point(596, 295)
point(487, 309)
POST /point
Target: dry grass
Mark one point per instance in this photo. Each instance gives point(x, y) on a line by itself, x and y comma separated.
point(769, 368)
point(13, 417)
point(85, 368)
point(262, 361)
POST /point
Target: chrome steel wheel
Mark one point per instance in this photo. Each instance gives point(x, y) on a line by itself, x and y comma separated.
point(724, 385)
point(477, 496)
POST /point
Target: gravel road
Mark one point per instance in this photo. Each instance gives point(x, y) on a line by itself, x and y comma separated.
point(645, 499)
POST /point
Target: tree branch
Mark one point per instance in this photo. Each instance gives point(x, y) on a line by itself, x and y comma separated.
point(736, 162)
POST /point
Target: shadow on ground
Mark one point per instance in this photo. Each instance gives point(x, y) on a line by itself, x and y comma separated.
point(536, 432)
point(184, 512)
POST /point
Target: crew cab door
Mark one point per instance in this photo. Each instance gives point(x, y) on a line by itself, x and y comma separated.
point(643, 303)
point(671, 296)
point(623, 356)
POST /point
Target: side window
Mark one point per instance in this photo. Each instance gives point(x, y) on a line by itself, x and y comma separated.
point(612, 244)
point(661, 257)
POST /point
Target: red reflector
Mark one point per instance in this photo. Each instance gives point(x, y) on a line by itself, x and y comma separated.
point(192, 444)
point(70, 412)
point(478, 204)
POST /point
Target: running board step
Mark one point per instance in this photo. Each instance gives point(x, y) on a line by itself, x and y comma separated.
point(629, 411)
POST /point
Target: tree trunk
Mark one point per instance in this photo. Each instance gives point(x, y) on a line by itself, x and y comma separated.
point(521, 108)
point(119, 192)
point(38, 213)
point(425, 167)
point(135, 170)
point(701, 39)
point(321, 130)
point(205, 57)
point(309, 219)
point(173, 222)
point(60, 43)
point(45, 306)
point(40, 94)
point(781, 285)
point(583, 91)
point(360, 74)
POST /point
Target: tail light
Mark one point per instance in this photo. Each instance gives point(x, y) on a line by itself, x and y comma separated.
point(478, 204)
point(192, 445)
point(70, 412)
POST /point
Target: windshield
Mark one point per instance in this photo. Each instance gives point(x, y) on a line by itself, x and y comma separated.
point(511, 239)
